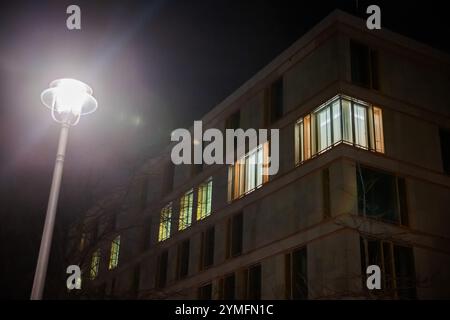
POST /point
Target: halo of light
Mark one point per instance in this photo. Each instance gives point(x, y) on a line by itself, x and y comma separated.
point(69, 98)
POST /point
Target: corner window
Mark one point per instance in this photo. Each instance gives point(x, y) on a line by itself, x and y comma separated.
point(341, 120)
point(397, 268)
point(381, 196)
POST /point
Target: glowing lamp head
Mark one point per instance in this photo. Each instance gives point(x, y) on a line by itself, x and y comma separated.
point(69, 99)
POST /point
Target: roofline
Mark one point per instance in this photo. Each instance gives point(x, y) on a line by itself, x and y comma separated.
point(336, 16)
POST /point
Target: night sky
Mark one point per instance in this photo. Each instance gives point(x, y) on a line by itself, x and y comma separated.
point(154, 66)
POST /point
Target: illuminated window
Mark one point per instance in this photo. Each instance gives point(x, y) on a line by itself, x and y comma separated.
point(249, 172)
point(78, 282)
point(360, 120)
point(378, 129)
point(323, 118)
point(342, 119)
point(165, 222)
point(186, 202)
point(95, 264)
point(204, 199)
point(114, 257)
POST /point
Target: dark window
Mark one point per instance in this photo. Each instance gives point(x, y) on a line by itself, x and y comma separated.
point(397, 268)
point(235, 229)
point(254, 283)
point(405, 272)
point(226, 287)
point(326, 192)
point(274, 103)
point(162, 270)
point(445, 149)
point(233, 121)
point(207, 255)
point(297, 275)
point(205, 292)
point(364, 65)
point(381, 196)
point(183, 259)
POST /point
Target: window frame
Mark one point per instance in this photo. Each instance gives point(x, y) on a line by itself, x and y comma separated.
point(238, 173)
point(186, 209)
point(161, 270)
point(290, 292)
point(183, 259)
point(95, 264)
point(400, 197)
point(204, 199)
point(388, 266)
point(231, 240)
point(250, 292)
point(204, 263)
point(307, 131)
point(114, 253)
point(165, 222)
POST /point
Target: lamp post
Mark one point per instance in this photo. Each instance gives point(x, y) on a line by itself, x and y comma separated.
point(68, 100)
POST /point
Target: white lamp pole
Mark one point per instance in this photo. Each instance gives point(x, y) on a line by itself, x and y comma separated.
point(68, 99)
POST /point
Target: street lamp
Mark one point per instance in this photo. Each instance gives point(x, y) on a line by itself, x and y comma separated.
point(68, 100)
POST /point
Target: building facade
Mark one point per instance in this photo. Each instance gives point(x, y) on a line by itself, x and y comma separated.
point(364, 120)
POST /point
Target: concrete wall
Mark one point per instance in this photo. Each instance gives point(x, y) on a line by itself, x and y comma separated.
point(288, 212)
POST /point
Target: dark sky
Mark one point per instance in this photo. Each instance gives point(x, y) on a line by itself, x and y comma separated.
point(154, 66)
